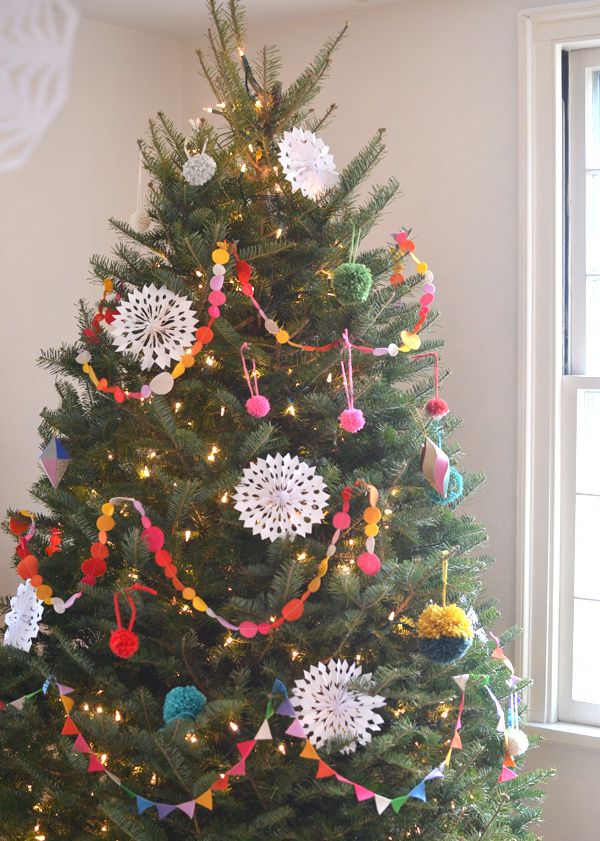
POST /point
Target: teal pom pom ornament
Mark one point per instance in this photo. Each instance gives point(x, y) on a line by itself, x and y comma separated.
point(183, 702)
point(352, 283)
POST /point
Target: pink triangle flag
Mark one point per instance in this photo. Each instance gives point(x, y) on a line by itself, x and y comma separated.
point(264, 732)
point(238, 770)
point(80, 745)
point(187, 808)
point(362, 793)
point(95, 765)
point(506, 774)
point(296, 729)
point(456, 741)
point(246, 748)
point(342, 779)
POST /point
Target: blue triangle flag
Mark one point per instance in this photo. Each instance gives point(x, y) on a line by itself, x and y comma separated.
point(418, 792)
point(279, 687)
point(60, 450)
point(286, 708)
point(143, 804)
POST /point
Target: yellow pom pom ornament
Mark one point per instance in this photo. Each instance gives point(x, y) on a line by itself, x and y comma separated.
point(445, 632)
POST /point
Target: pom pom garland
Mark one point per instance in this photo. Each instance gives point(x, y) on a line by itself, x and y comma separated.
point(516, 741)
point(183, 702)
point(352, 283)
point(368, 562)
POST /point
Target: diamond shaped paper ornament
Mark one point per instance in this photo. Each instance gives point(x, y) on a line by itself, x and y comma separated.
point(55, 460)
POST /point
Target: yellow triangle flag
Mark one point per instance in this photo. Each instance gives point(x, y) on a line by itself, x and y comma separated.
point(205, 800)
point(309, 752)
point(68, 703)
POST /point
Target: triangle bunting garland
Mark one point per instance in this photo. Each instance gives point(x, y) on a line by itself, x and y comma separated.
point(205, 800)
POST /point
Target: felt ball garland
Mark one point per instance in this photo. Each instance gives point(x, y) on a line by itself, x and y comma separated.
point(368, 562)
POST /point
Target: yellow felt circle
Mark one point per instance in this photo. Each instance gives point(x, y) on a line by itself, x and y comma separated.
point(314, 585)
point(108, 508)
point(220, 256)
point(178, 370)
point(371, 530)
point(282, 337)
point(199, 604)
point(43, 592)
point(422, 267)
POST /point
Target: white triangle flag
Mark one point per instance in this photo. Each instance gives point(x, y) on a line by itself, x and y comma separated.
point(381, 803)
point(264, 732)
point(462, 681)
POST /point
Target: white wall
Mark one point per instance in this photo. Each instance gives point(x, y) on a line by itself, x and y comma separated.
point(53, 217)
point(441, 75)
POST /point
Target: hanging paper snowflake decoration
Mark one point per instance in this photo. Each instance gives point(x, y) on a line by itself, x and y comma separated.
point(307, 163)
point(329, 709)
point(280, 496)
point(155, 323)
point(23, 618)
point(36, 46)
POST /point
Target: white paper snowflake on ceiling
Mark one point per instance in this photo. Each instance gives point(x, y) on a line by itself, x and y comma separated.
point(36, 43)
point(307, 163)
point(23, 618)
point(280, 496)
point(329, 709)
point(155, 323)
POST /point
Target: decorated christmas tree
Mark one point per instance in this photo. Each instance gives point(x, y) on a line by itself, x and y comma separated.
point(249, 603)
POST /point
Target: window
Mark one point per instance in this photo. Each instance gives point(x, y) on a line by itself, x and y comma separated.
point(559, 415)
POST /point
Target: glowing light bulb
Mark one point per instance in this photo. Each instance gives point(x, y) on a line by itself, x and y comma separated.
point(187, 535)
point(278, 233)
point(258, 104)
point(222, 410)
point(243, 168)
point(295, 654)
point(86, 708)
point(281, 748)
point(99, 709)
point(210, 361)
point(104, 758)
point(229, 640)
point(117, 715)
point(250, 147)
point(145, 472)
point(329, 377)
point(241, 52)
point(233, 726)
point(225, 497)
point(177, 406)
point(392, 616)
point(291, 410)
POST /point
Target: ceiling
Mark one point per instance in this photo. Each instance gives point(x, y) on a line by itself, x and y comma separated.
point(187, 18)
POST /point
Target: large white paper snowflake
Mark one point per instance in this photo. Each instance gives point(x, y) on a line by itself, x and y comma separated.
point(36, 45)
point(307, 163)
point(23, 618)
point(155, 323)
point(329, 709)
point(280, 496)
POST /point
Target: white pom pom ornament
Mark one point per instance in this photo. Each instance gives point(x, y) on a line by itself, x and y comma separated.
point(198, 169)
point(140, 221)
point(516, 741)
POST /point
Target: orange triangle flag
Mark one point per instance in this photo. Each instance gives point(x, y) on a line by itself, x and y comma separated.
point(456, 742)
point(68, 703)
point(308, 752)
point(69, 728)
point(509, 761)
point(205, 800)
point(324, 771)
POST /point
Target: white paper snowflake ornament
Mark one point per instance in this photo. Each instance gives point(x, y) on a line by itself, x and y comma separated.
point(36, 45)
point(198, 169)
point(307, 163)
point(155, 323)
point(280, 496)
point(23, 618)
point(329, 709)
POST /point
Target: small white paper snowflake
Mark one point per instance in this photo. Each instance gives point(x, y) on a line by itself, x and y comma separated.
point(155, 323)
point(198, 169)
point(280, 496)
point(329, 709)
point(307, 163)
point(23, 618)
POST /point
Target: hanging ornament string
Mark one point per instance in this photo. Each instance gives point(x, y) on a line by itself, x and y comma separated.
point(162, 383)
point(124, 642)
point(436, 407)
point(351, 419)
point(290, 612)
point(256, 405)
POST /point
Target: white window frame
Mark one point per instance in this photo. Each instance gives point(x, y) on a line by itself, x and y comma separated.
point(543, 34)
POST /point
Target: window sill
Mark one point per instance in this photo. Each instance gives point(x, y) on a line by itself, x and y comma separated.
point(566, 733)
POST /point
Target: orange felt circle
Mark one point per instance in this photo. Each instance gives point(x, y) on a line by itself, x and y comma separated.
point(36, 580)
point(187, 360)
point(188, 593)
point(204, 334)
point(170, 571)
point(371, 515)
point(28, 567)
point(102, 537)
point(293, 610)
point(99, 550)
point(43, 592)
point(105, 523)
point(314, 585)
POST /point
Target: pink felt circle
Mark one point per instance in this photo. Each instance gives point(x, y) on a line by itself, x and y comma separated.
point(145, 390)
point(146, 522)
point(341, 520)
point(248, 629)
point(154, 538)
point(429, 287)
point(216, 282)
point(214, 312)
point(368, 563)
point(265, 628)
point(426, 299)
point(217, 297)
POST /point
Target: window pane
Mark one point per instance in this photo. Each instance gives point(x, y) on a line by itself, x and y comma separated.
point(592, 326)
point(593, 121)
point(588, 446)
point(586, 652)
point(592, 221)
point(587, 548)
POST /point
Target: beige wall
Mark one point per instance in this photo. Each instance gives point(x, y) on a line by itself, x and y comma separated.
point(53, 217)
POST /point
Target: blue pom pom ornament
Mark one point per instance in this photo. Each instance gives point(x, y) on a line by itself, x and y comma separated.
point(183, 702)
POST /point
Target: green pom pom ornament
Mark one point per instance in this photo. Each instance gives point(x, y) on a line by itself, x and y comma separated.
point(183, 702)
point(352, 283)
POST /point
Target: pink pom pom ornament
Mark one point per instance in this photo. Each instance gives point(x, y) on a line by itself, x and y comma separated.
point(257, 406)
point(352, 420)
point(436, 407)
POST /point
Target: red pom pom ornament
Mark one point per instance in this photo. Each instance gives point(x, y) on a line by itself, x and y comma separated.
point(124, 643)
point(436, 407)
